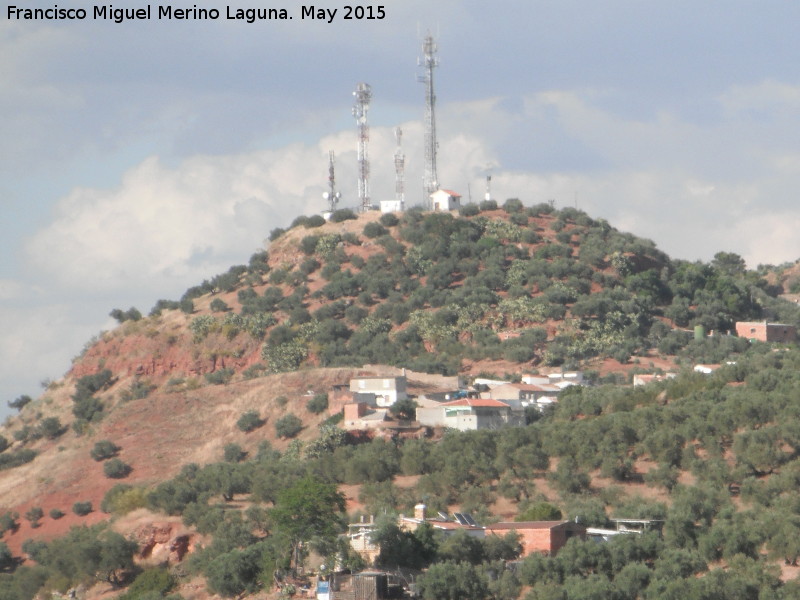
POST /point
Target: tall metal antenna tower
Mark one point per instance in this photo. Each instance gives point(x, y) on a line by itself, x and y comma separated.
point(332, 196)
point(400, 170)
point(430, 178)
point(363, 95)
point(488, 195)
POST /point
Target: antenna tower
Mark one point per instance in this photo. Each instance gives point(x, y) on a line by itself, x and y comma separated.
point(488, 195)
point(430, 179)
point(399, 169)
point(332, 196)
point(363, 95)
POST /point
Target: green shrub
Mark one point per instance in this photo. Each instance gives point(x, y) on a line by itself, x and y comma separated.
point(343, 214)
point(34, 515)
point(121, 316)
point(218, 305)
point(318, 403)
point(373, 230)
point(20, 402)
point(469, 210)
point(288, 426)
point(154, 582)
point(9, 521)
point(233, 453)
point(82, 508)
point(249, 421)
point(103, 450)
point(163, 305)
point(123, 498)
point(253, 371)
point(186, 306)
point(314, 221)
point(389, 220)
point(116, 469)
point(7, 560)
point(51, 428)
point(138, 390)
point(56, 513)
point(539, 511)
point(512, 205)
point(88, 409)
point(220, 377)
point(308, 244)
point(15, 459)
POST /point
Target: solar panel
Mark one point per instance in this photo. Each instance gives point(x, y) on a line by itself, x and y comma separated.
point(443, 516)
point(469, 519)
point(460, 518)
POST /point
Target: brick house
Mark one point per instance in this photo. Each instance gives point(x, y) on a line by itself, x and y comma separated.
point(764, 331)
point(547, 537)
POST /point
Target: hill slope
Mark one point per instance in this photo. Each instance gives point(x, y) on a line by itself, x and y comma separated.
point(494, 290)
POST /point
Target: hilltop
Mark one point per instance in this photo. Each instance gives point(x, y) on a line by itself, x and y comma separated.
point(437, 292)
point(492, 291)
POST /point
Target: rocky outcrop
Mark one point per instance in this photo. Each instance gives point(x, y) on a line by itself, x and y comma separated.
point(163, 543)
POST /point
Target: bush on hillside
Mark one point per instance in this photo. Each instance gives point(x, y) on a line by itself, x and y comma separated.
point(132, 314)
point(51, 428)
point(288, 426)
point(103, 450)
point(20, 402)
point(34, 515)
point(343, 214)
point(9, 521)
point(116, 469)
point(389, 220)
point(82, 508)
point(249, 421)
point(233, 453)
point(318, 403)
point(373, 230)
point(220, 377)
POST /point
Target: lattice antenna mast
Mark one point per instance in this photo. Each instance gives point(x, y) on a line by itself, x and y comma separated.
point(430, 178)
point(332, 196)
point(400, 170)
point(363, 95)
point(488, 195)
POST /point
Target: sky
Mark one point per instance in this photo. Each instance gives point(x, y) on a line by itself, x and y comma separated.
point(138, 159)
